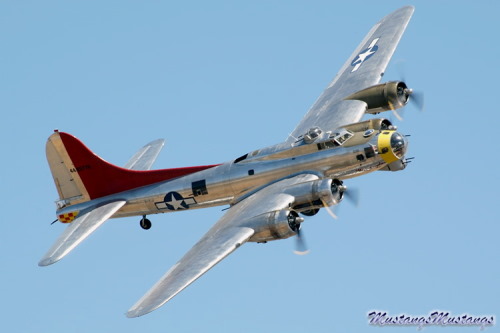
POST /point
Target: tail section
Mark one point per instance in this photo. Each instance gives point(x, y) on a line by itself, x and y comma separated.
point(68, 182)
point(80, 175)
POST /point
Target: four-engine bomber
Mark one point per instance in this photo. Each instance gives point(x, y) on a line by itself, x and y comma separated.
point(269, 191)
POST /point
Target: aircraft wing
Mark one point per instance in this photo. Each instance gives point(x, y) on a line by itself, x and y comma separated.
point(146, 156)
point(363, 69)
point(81, 227)
point(229, 233)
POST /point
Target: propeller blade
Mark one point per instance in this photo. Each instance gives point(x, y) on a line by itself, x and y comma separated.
point(330, 211)
point(397, 115)
point(352, 195)
point(395, 111)
point(300, 245)
point(417, 98)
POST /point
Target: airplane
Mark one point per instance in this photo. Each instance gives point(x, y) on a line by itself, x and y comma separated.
point(268, 190)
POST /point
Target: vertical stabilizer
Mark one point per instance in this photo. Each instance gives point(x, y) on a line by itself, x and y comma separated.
point(80, 175)
point(68, 183)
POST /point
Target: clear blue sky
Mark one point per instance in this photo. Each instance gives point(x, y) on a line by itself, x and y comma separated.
point(216, 80)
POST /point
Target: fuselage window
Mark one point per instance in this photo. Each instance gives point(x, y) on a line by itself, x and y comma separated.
point(241, 158)
point(199, 187)
point(343, 137)
point(327, 144)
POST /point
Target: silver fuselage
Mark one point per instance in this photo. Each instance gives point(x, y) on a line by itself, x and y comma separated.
point(230, 182)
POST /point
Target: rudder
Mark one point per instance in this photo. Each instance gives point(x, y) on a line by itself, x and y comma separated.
point(69, 185)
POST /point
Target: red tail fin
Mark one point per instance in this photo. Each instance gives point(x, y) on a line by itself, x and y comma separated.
point(98, 177)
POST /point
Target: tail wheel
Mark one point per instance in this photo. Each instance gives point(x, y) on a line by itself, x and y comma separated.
point(145, 223)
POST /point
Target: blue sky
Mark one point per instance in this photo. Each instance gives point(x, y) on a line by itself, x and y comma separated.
point(218, 79)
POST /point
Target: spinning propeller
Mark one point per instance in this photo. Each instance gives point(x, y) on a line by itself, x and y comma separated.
point(352, 195)
point(294, 221)
point(300, 244)
point(414, 97)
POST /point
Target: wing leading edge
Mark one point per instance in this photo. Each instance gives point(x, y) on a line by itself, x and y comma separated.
point(210, 250)
point(234, 229)
point(364, 68)
point(81, 227)
point(146, 156)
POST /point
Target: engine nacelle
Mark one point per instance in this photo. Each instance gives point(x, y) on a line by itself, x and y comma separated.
point(308, 197)
point(311, 196)
point(383, 97)
point(275, 225)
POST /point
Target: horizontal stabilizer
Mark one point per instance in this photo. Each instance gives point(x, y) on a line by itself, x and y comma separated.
point(146, 156)
point(81, 227)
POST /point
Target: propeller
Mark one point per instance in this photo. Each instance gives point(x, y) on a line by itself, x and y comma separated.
point(417, 98)
point(300, 244)
point(294, 221)
point(414, 97)
point(351, 195)
point(330, 211)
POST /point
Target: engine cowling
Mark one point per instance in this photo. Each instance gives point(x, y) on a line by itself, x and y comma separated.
point(308, 197)
point(323, 192)
point(383, 97)
point(275, 225)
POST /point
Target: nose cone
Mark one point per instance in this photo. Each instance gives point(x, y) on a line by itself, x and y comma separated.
point(391, 146)
point(398, 145)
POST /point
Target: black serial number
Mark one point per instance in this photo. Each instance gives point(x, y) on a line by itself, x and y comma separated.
point(80, 168)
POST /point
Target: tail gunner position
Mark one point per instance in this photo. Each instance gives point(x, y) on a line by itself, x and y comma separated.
point(267, 190)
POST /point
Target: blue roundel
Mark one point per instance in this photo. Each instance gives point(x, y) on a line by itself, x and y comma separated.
point(175, 201)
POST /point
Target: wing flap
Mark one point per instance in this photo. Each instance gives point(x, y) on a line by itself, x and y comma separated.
point(146, 156)
point(81, 227)
point(211, 249)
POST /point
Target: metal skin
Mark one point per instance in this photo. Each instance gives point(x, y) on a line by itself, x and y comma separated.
point(383, 97)
point(266, 189)
point(230, 182)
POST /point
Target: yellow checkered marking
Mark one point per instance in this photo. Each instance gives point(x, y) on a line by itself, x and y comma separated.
point(68, 217)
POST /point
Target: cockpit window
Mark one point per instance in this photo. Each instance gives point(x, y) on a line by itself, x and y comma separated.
point(327, 144)
point(342, 137)
point(337, 139)
point(241, 158)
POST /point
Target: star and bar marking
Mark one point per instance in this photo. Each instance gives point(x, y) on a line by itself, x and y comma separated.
point(365, 55)
point(175, 201)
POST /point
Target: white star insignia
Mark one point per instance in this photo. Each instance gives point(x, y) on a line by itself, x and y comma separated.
point(365, 55)
point(176, 204)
